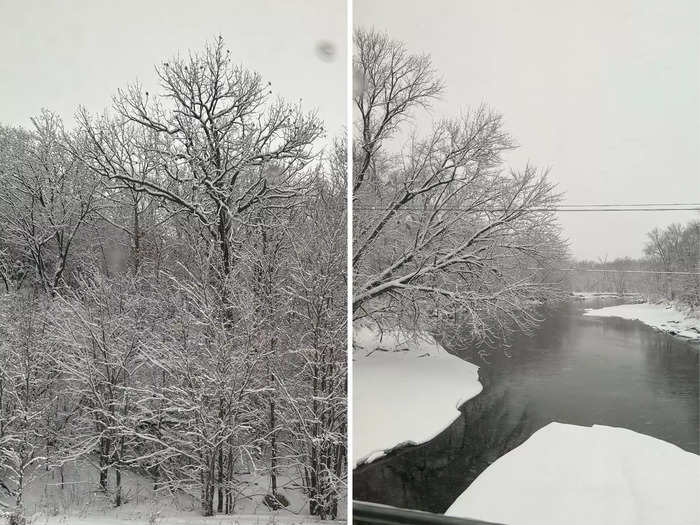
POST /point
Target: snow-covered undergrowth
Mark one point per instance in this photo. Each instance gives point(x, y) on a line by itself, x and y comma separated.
point(665, 317)
point(584, 475)
point(239, 519)
point(406, 390)
point(76, 499)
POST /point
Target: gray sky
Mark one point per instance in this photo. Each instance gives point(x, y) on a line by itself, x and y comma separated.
point(604, 93)
point(59, 54)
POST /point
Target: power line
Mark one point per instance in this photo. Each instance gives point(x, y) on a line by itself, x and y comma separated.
point(629, 205)
point(612, 270)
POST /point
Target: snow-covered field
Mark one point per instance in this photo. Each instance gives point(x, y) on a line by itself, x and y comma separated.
point(584, 475)
point(406, 390)
point(664, 317)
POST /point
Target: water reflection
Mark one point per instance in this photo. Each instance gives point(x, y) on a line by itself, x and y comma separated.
point(573, 369)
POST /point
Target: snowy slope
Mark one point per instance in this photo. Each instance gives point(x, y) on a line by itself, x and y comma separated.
point(584, 475)
point(660, 316)
point(406, 389)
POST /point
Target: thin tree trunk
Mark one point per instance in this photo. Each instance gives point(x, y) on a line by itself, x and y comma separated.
point(137, 238)
point(224, 243)
point(207, 498)
point(220, 480)
point(273, 422)
point(104, 467)
point(118, 494)
point(229, 485)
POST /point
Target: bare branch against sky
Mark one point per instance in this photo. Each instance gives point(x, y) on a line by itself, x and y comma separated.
point(606, 94)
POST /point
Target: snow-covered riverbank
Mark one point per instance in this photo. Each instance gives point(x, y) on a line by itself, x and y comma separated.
point(582, 475)
point(406, 390)
point(664, 317)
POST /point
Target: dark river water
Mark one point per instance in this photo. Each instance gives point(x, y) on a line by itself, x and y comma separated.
point(572, 369)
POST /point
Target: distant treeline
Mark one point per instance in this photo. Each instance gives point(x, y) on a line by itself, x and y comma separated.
point(674, 249)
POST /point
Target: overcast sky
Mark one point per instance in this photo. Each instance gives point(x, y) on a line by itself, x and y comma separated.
point(604, 93)
point(59, 54)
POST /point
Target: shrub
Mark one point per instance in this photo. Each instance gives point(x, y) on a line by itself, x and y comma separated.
point(275, 501)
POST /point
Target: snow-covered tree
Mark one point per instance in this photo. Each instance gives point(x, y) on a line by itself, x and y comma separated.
point(45, 198)
point(185, 253)
point(220, 143)
point(676, 248)
point(315, 394)
point(27, 393)
point(441, 225)
point(202, 416)
point(100, 328)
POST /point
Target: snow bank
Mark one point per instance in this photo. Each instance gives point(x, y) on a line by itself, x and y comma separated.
point(406, 390)
point(663, 317)
point(583, 475)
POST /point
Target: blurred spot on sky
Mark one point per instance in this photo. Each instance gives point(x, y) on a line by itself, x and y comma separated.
point(325, 50)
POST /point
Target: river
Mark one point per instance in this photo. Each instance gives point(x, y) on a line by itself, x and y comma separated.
point(571, 369)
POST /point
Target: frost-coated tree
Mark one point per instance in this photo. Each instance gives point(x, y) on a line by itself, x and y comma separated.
point(136, 215)
point(441, 226)
point(45, 199)
point(315, 396)
point(202, 413)
point(172, 294)
point(27, 380)
point(221, 143)
point(676, 249)
point(100, 329)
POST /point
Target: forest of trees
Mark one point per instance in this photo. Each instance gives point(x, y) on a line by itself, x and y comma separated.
point(172, 291)
point(669, 269)
point(441, 226)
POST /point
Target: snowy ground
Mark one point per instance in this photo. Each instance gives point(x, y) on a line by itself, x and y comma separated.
point(663, 317)
point(584, 475)
point(406, 390)
point(79, 502)
point(182, 520)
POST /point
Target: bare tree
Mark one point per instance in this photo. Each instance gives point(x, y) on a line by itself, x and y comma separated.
point(118, 153)
point(440, 225)
point(315, 394)
point(187, 248)
point(26, 392)
point(394, 82)
point(676, 249)
point(267, 254)
point(45, 198)
point(221, 144)
point(100, 329)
